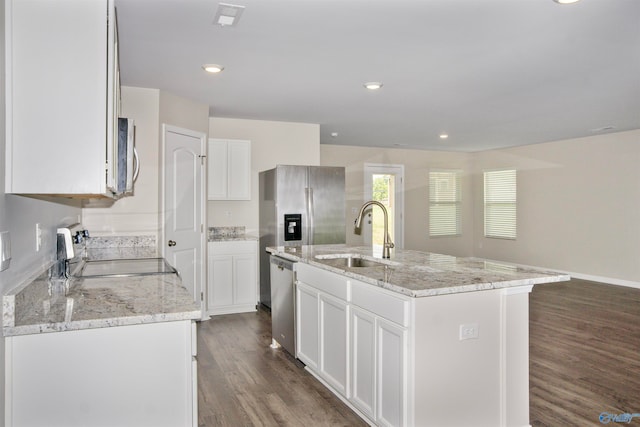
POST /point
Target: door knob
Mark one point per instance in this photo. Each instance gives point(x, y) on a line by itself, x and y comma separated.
point(172, 243)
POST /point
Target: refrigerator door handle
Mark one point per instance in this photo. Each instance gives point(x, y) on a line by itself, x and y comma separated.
point(308, 192)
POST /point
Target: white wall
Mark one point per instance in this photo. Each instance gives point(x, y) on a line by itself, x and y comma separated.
point(417, 164)
point(19, 215)
point(272, 143)
point(578, 206)
point(140, 214)
point(578, 202)
point(137, 214)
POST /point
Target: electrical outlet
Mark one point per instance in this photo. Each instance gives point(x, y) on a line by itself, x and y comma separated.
point(38, 237)
point(469, 331)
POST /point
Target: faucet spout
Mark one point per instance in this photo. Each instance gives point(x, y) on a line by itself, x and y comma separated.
point(388, 244)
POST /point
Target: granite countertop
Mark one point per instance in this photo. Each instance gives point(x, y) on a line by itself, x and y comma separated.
point(420, 274)
point(44, 305)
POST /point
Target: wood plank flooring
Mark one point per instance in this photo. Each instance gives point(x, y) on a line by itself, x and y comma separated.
point(243, 382)
point(584, 360)
point(584, 353)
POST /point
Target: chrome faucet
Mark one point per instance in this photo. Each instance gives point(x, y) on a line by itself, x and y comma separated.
point(388, 244)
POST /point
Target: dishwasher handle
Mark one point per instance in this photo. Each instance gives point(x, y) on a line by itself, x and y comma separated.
point(281, 263)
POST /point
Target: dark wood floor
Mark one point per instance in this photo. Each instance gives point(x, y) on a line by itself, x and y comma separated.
point(585, 360)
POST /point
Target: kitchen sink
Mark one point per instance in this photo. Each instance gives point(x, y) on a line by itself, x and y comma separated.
point(124, 267)
point(354, 261)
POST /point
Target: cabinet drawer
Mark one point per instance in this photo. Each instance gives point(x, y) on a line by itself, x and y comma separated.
point(384, 305)
point(233, 247)
point(325, 281)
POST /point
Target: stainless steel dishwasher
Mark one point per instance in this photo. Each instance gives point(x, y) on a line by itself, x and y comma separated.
point(282, 304)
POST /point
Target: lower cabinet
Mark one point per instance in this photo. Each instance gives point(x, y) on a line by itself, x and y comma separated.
point(307, 325)
point(137, 376)
point(358, 352)
point(391, 375)
point(232, 285)
point(333, 342)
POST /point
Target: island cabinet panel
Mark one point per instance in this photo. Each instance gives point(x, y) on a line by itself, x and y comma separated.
point(334, 318)
point(391, 388)
point(363, 354)
point(138, 375)
point(307, 325)
point(363, 361)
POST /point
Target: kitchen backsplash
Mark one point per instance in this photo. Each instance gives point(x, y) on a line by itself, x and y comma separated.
point(226, 232)
point(118, 247)
point(121, 242)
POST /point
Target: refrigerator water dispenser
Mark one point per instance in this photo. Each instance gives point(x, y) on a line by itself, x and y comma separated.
point(292, 227)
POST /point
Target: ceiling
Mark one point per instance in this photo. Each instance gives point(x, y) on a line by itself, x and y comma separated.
point(489, 73)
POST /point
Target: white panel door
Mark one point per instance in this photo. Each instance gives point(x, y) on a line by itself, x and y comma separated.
point(307, 327)
point(184, 238)
point(333, 342)
point(391, 375)
point(217, 170)
point(363, 361)
point(239, 167)
point(220, 281)
point(245, 279)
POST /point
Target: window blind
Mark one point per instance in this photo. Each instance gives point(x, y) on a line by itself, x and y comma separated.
point(445, 203)
point(500, 204)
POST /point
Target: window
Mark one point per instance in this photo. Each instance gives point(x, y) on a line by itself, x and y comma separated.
point(445, 203)
point(500, 204)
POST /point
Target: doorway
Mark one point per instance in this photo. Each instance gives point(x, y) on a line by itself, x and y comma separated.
point(183, 243)
point(385, 184)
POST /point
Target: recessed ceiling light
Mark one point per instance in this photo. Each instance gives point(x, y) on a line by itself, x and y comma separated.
point(228, 15)
point(443, 136)
point(373, 85)
point(566, 1)
point(212, 68)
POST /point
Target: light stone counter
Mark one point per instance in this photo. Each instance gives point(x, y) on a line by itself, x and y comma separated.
point(43, 305)
point(420, 274)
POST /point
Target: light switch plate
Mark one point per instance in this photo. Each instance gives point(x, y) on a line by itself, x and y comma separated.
point(5, 250)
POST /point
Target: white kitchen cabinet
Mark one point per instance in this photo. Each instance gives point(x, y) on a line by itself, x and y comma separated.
point(363, 345)
point(334, 354)
point(363, 361)
point(229, 169)
point(391, 374)
point(62, 97)
point(232, 285)
point(138, 375)
point(307, 325)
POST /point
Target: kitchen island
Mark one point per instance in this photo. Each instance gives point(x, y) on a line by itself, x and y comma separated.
point(419, 339)
point(100, 351)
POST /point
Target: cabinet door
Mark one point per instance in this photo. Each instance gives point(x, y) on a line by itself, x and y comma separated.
point(244, 279)
point(363, 361)
point(239, 170)
point(391, 374)
point(220, 281)
point(217, 170)
point(69, 103)
point(307, 327)
point(333, 342)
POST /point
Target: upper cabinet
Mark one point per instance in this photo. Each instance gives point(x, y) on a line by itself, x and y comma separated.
point(229, 169)
point(62, 97)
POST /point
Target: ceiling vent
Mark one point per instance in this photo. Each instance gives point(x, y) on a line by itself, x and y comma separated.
point(228, 15)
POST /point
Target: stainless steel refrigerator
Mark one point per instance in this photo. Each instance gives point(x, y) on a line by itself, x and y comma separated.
point(299, 205)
